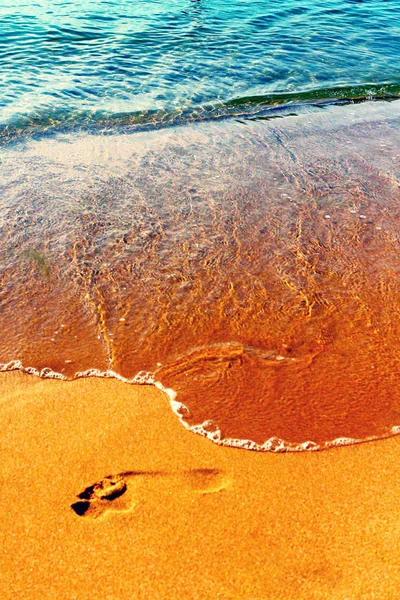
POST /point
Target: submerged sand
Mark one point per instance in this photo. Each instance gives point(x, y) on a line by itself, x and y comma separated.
point(216, 255)
point(196, 520)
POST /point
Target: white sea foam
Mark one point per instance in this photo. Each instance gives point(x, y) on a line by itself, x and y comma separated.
point(141, 378)
point(45, 373)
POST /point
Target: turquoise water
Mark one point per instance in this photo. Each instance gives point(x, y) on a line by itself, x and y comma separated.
point(76, 64)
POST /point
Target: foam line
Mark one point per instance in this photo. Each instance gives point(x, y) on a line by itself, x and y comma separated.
point(208, 429)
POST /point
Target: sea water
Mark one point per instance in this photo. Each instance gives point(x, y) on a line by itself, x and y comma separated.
point(72, 64)
point(205, 195)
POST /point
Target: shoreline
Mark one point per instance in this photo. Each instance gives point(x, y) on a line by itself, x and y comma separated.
point(197, 520)
point(273, 444)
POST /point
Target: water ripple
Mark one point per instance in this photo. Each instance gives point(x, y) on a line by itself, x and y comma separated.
point(124, 57)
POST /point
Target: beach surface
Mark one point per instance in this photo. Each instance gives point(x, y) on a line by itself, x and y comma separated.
point(187, 518)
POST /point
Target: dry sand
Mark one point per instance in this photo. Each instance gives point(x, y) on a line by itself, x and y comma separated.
point(196, 520)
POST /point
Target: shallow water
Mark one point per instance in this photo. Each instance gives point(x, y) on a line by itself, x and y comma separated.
point(250, 266)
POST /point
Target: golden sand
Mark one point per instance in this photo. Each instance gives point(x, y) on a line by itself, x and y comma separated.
point(190, 519)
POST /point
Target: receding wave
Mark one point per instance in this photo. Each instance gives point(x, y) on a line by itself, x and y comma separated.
point(269, 106)
point(249, 269)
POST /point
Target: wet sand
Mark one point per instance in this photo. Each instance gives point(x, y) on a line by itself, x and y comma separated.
point(194, 520)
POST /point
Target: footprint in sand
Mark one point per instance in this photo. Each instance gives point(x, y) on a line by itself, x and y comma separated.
point(117, 492)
